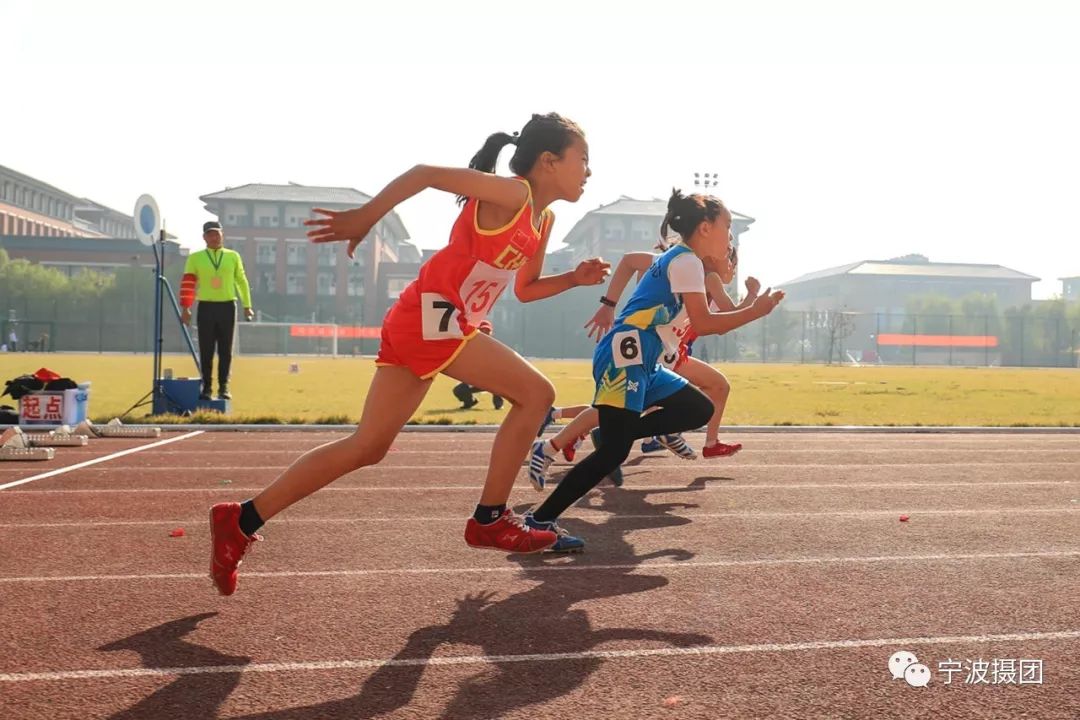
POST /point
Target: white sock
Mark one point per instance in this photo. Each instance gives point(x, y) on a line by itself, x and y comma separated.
point(549, 449)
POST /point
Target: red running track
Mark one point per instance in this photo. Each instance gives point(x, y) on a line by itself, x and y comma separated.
point(773, 584)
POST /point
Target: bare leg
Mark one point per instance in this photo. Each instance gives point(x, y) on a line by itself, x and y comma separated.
point(572, 411)
point(581, 424)
point(393, 397)
point(715, 386)
point(488, 364)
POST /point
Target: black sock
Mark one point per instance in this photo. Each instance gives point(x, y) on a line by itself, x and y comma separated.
point(250, 522)
point(487, 514)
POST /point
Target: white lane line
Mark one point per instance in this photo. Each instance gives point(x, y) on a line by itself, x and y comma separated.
point(586, 514)
point(565, 567)
point(658, 489)
point(95, 461)
point(451, 450)
point(700, 650)
point(953, 467)
point(705, 466)
point(578, 514)
point(714, 486)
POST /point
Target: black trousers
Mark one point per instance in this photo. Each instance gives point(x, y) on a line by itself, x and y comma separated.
point(217, 322)
point(464, 393)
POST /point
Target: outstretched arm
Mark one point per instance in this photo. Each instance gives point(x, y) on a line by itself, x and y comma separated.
point(718, 296)
point(354, 225)
point(631, 263)
point(705, 322)
point(530, 285)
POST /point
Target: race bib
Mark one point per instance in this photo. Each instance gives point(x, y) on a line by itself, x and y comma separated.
point(672, 333)
point(482, 287)
point(439, 317)
point(668, 359)
point(626, 348)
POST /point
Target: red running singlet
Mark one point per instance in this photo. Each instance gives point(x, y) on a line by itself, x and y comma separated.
point(439, 311)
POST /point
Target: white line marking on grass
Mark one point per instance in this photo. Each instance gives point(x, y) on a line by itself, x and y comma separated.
point(565, 567)
point(95, 461)
point(700, 650)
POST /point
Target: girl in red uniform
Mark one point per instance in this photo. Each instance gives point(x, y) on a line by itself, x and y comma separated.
point(500, 236)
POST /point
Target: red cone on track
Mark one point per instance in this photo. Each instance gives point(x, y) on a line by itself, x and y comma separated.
point(178, 532)
point(904, 518)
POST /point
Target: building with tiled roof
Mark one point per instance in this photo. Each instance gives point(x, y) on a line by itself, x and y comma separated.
point(292, 278)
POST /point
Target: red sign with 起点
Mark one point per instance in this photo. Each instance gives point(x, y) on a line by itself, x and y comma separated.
point(41, 409)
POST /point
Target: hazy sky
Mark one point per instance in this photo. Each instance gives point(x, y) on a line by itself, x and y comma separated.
point(850, 130)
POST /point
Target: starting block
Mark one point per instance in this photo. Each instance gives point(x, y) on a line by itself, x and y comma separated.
point(16, 445)
point(26, 453)
point(116, 429)
point(55, 439)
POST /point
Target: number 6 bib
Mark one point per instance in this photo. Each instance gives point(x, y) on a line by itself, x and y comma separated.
point(626, 348)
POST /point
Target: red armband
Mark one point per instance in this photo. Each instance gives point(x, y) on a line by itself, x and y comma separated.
point(187, 290)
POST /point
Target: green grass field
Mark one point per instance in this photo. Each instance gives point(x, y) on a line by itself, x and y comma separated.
point(328, 389)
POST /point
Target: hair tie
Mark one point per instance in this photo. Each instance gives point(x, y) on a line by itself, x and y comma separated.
point(514, 138)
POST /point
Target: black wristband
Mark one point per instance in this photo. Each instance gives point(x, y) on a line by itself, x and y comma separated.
point(605, 301)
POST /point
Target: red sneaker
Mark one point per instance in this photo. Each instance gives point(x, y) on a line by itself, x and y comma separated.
point(721, 450)
point(509, 533)
point(228, 544)
point(570, 450)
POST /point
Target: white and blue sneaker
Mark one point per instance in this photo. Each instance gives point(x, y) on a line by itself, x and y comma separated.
point(539, 462)
point(547, 421)
point(566, 543)
point(651, 445)
point(677, 445)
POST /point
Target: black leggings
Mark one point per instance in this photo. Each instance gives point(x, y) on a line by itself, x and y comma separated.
point(686, 409)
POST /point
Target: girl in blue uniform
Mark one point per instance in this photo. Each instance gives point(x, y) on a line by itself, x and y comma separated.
point(626, 365)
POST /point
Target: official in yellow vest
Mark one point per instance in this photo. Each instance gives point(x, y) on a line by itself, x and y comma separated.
point(215, 277)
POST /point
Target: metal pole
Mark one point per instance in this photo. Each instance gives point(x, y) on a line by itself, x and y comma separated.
point(134, 304)
point(877, 336)
point(914, 339)
point(1021, 341)
point(802, 345)
point(167, 292)
point(764, 338)
point(1057, 343)
point(159, 269)
point(950, 340)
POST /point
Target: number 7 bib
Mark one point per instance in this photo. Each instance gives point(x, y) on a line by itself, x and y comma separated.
point(439, 318)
